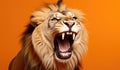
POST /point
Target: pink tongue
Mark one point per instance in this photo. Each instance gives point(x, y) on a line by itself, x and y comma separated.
point(64, 45)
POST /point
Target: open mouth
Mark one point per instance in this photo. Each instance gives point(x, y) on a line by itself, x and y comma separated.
point(63, 44)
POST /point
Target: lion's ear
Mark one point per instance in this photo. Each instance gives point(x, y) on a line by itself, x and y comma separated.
point(35, 21)
point(34, 24)
point(37, 17)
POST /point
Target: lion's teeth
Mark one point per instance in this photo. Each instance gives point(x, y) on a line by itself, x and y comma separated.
point(73, 36)
point(65, 54)
point(63, 35)
point(69, 33)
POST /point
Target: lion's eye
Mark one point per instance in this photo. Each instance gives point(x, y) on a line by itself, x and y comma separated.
point(55, 19)
point(75, 18)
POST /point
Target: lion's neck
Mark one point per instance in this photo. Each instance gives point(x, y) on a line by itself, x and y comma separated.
point(61, 66)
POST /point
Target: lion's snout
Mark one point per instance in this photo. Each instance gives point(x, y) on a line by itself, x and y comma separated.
point(69, 24)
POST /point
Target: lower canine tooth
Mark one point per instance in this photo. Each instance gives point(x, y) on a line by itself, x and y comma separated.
point(73, 36)
point(63, 35)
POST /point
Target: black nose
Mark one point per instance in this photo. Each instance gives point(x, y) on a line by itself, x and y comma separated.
point(69, 24)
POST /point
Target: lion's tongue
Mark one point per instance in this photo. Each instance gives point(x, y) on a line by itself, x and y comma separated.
point(64, 45)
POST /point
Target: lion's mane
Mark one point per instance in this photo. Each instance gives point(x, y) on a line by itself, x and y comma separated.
point(37, 44)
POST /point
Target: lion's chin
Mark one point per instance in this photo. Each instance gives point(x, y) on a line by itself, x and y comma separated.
point(63, 45)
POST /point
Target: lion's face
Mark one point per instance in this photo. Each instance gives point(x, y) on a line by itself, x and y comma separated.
point(59, 35)
point(65, 26)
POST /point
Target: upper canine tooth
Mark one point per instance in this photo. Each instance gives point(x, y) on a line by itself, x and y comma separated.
point(73, 36)
point(63, 35)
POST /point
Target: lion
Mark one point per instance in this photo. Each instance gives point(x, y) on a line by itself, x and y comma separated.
point(55, 39)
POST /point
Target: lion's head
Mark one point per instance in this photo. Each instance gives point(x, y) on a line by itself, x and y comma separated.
point(58, 37)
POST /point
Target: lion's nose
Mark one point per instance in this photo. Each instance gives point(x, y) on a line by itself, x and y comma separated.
point(69, 24)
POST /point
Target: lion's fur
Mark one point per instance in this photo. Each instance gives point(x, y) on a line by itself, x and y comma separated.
point(38, 45)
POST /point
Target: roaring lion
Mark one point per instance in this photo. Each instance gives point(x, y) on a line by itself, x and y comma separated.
point(55, 39)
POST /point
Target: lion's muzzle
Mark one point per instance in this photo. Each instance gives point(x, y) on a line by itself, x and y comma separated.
point(63, 44)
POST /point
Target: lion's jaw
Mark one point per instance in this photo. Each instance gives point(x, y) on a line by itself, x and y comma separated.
point(59, 39)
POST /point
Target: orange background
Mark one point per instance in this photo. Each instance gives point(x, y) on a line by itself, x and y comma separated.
point(102, 22)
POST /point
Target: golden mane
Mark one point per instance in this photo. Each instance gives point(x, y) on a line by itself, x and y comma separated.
point(37, 45)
